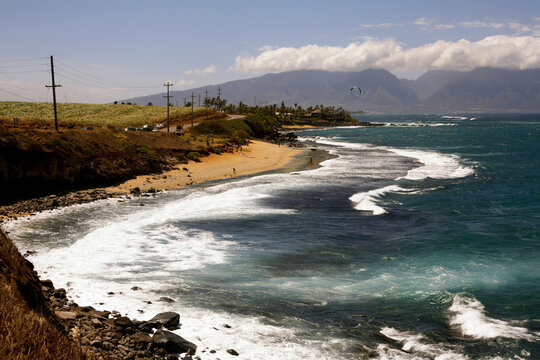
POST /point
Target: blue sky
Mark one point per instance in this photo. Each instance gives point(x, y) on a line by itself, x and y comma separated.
point(106, 48)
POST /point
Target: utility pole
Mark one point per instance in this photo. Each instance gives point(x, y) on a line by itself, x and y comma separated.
point(168, 85)
point(199, 100)
point(192, 96)
point(206, 101)
point(54, 86)
point(219, 98)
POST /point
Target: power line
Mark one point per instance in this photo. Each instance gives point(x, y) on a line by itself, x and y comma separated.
point(27, 59)
point(97, 79)
point(12, 93)
point(19, 66)
point(80, 76)
point(85, 83)
point(22, 71)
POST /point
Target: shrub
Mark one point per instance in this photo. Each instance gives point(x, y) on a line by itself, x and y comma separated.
point(194, 156)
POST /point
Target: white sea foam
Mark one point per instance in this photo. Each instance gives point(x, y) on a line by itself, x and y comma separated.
point(415, 347)
point(434, 165)
point(418, 124)
point(471, 319)
point(367, 201)
point(454, 117)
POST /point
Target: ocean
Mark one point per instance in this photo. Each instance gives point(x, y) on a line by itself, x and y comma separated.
point(416, 240)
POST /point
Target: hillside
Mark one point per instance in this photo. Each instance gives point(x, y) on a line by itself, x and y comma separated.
point(381, 90)
point(489, 89)
point(480, 90)
point(34, 162)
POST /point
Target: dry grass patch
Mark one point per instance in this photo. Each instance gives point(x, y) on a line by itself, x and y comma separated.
point(27, 326)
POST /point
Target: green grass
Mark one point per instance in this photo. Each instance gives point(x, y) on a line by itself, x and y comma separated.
point(98, 115)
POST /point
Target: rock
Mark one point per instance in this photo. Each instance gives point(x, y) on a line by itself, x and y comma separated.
point(168, 320)
point(233, 352)
point(124, 322)
point(29, 253)
point(142, 338)
point(172, 343)
point(166, 299)
point(66, 315)
point(52, 203)
point(95, 343)
point(101, 315)
point(47, 283)
point(136, 288)
point(135, 190)
point(227, 326)
point(60, 293)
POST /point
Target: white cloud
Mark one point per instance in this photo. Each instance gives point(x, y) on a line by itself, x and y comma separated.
point(512, 52)
point(184, 82)
point(481, 24)
point(212, 69)
point(429, 24)
point(267, 47)
point(382, 25)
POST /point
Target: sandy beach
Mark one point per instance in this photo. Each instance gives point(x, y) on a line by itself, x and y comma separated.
point(252, 159)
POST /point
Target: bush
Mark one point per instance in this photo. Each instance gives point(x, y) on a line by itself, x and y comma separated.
point(194, 156)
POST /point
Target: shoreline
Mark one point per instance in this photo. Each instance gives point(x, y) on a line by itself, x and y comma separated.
point(107, 334)
point(257, 158)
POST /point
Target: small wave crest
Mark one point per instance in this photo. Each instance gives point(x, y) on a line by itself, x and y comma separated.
point(454, 117)
point(435, 165)
point(418, 124)
point(366, 201)
point(414, 346)
point(471, 319)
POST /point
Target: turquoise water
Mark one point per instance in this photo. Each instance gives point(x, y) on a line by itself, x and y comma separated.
point(419, 240)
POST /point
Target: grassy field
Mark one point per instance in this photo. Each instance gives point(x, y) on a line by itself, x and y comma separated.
point(97, 115)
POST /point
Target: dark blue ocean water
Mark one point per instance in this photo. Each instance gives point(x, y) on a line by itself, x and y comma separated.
point(418, 240)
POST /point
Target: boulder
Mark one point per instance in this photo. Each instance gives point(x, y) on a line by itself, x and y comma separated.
point(173, 343)
point(66, 315)
point(168, 320)
point(142, 338)
point(233, 352)
point(124, 322)
point(60, 293)
point(166, 299)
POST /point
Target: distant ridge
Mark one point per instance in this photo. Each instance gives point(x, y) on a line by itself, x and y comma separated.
point(479, 90)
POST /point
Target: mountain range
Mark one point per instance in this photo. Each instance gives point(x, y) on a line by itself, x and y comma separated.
point(479, 90)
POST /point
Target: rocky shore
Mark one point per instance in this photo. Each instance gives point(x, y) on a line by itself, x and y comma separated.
point(108, 335)
point(51, 202)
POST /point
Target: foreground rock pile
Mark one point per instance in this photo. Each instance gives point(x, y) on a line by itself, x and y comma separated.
point(107, 335)
point(27, 207)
